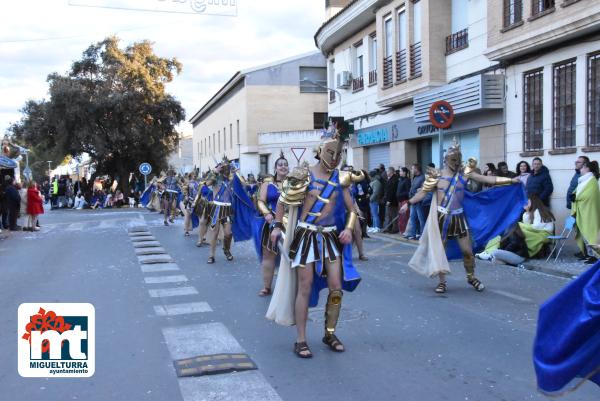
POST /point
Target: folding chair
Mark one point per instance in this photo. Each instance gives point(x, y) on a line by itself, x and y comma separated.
point(562, 238)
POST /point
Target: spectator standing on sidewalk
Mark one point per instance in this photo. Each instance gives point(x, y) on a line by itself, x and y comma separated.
point(539, 182)
point(391, 202)
point(54, 197)
point(402, 197)
point(34, 206)
point(523, 171)
point(503, 171)
point(13, 204)
point(23, 220)
point(417, 218)
point(375, 199)
point(574, 180)
point(586, 209)
point(363, 197)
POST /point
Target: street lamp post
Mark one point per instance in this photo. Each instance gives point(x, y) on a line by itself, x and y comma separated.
point(49, 170)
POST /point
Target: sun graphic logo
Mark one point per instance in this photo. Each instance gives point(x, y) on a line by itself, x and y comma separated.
point(56, 340)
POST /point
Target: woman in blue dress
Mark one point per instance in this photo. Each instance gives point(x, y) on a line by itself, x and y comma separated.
point(268, 251)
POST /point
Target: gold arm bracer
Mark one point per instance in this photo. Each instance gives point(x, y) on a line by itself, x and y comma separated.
point(351, 220)
point(503, 181)
point(263, 208)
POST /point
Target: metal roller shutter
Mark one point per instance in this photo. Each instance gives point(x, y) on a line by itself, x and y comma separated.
point(377, 155)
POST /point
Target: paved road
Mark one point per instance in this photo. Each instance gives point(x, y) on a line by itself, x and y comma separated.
point(403, 341)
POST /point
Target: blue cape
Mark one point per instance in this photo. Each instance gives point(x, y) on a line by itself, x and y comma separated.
point(350, 276)
point(243, 211)
point(489, 213)
point(145, 198)
point(567, 343)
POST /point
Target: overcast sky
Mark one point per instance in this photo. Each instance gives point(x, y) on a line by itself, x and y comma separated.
point(38, 37)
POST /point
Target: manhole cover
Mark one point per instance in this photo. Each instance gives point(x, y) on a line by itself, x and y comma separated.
point(346, 315)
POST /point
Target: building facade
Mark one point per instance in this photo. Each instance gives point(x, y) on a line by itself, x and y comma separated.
point(389, 60)
point(182, 159)
point(551, 50)
point(288, 95)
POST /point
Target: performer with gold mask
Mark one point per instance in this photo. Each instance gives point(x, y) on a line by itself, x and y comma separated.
point(320, 251)
point(450, 220)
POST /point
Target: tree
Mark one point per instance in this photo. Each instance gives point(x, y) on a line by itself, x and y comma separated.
point(112, 105)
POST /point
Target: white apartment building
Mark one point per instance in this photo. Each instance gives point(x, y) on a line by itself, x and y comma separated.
point(389, 60)
point(551, 50)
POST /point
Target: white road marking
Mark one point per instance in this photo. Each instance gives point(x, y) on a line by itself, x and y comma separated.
point(150, 259)
point(511, 295)
point(159, 267)
point(150, 251)
point(182, 309)
point(146, 244)
point(247, 386)
point(214, 338)
point(165, 279)
point(172, 292)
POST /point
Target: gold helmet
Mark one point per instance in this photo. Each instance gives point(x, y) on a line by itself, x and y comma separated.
point(330, 150)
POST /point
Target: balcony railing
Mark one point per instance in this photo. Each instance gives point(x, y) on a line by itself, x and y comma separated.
point(415, 60)
point(358, 84)
point(457, 41)
point(372, 77)
point(388, 79)
point(401, 66)
point(331, 96)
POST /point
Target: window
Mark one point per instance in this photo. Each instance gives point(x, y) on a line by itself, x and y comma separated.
point(593, 98)
point(373, 52)
point(264, 164)
point(387, 61)
point(563, 86)
point(230, 136)
point(401, 63)
point(532, 110)
point(358, 67)
point(238, 131)
point(319, 120)
point(210, 144)
point(316, 80)
point(415, 47)
point(513, 12)
point(539, 6)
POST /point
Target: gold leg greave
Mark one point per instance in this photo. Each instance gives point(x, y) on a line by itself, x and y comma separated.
point(332, 311)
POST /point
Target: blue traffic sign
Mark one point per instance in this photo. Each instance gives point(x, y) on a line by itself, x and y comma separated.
point(145, 168)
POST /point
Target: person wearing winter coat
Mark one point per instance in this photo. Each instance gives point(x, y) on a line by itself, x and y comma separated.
point(575, 179)
point(376, 196)
point(539, 182)
point(391, 203)
point(402, 198)
point(13, 204)
point(34, 206)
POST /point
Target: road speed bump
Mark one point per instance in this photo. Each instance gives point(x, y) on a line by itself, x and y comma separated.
point(213, 365)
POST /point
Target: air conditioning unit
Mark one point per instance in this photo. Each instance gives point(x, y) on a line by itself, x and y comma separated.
point(344, 79)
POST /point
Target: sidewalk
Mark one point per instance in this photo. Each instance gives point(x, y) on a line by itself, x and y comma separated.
point(566, 266)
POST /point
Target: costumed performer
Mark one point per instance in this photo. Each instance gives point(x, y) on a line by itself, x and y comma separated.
point(456, 214)
point(267, 250)
point(320, 246)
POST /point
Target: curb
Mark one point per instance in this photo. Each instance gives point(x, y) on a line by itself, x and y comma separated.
point(539, 269)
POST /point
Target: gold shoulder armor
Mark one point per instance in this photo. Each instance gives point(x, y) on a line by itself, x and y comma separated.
point(431, 180)
point(294, 186)
point(358, 176)
point(345, 178)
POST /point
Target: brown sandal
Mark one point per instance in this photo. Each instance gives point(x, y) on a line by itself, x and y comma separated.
point(441, 288)
point(228, 255)
point(363, 257)
point(211, 260)
point(333, 343)
point(302, 351)
point(264, 292)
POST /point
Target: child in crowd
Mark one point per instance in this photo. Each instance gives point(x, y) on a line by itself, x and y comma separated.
point(34, 206)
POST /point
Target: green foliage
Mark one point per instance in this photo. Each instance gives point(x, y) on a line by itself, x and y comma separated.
point(112, 105)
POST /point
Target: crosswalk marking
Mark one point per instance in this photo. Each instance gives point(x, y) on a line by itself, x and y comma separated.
point(208, 339)
point(172, 292)
point(165, 279)
point(182, 309)
point(159, 267)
